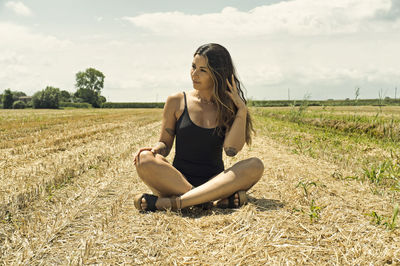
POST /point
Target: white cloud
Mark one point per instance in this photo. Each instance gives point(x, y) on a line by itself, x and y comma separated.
point(30, 61)
point(134, 71)
point(19, 8)
point(21, 37)
point(297, 17)
point(322, 47)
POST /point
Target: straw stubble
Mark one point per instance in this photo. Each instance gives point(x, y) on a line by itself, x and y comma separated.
point(89, 218)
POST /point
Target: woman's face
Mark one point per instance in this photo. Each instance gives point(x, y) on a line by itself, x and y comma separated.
point(200, 73)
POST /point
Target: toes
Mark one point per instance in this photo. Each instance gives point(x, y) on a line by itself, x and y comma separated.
point(224, 203)
point(143, 204)
point(236, 200)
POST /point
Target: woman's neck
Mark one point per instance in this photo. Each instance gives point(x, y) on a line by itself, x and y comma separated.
point(206, 96)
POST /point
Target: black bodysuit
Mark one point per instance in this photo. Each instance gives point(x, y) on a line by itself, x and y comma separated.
point(198, 150)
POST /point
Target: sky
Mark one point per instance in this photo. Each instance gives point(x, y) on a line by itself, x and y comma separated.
point(282, 50)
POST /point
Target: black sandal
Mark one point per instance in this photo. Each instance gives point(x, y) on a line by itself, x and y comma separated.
point(151, 202)
point(231, 200)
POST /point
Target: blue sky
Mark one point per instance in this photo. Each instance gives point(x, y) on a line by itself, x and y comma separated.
point(321, 49)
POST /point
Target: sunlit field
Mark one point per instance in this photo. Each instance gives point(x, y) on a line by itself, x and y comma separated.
point(329, 194)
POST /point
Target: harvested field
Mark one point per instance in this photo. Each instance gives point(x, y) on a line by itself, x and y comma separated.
point(68, 182)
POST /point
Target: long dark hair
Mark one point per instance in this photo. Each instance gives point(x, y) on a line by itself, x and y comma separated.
point(220, 63)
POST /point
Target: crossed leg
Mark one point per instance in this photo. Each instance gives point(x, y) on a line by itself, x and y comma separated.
point(166, 181)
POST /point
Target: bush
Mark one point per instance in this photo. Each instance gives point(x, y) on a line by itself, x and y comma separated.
point(47, 98)
point(19, 105)
point(8, 99)
point(65, 96)
point(132, 105)
point(75, 105)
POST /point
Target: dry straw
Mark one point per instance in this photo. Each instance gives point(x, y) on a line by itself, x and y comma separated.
point(72, 202)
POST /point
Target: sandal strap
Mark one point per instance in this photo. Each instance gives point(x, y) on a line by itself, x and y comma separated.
point(176, 203)
point(231, 201)
point(242, 197)
point(151, 202)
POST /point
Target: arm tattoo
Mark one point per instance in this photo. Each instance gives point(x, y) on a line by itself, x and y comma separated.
point(170, 131)
point(162, 148)
point(164, 151)
point(230, 151)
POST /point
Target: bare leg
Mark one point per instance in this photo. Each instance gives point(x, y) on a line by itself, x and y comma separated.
point(160, 176)
point(164, 180)
point(241, 176)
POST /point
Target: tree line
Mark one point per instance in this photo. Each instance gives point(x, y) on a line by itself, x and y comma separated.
point(89, 84)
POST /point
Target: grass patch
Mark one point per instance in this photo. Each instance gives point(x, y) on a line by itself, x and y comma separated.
point(362, 155)
point(389, 222)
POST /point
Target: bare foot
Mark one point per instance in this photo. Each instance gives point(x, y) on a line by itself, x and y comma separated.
point(161, 203)
point(223, 203)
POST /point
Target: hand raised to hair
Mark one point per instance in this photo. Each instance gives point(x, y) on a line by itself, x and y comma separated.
point(234, 94)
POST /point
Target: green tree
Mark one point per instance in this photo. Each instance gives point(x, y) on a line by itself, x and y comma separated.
point(89, 85)
point(17, 94)
point(102, 99)
point(47, 98)
point(7, 99)
point(65, 96)
point(87, 96)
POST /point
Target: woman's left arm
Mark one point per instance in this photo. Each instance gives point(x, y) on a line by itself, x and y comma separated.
point(236, 135)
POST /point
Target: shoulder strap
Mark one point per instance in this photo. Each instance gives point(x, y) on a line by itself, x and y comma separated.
point(184, 96)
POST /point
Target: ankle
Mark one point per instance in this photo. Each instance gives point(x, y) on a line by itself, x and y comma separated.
point(177, 203)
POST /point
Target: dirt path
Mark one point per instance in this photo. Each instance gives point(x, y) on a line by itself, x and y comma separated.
point(92, 220)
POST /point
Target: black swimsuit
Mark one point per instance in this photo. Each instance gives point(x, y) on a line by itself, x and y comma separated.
point(198, 150)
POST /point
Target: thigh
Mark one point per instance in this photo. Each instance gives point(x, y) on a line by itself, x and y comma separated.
point(160, 176)
point(245, 173)
point(240, 176)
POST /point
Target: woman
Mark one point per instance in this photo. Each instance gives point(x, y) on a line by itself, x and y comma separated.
point(204, 121)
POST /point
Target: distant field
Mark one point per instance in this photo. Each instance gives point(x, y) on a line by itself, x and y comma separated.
point(328, 194)
point(331, 102)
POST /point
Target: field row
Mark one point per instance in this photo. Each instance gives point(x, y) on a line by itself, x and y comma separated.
point(72, 143)
point(70, 200)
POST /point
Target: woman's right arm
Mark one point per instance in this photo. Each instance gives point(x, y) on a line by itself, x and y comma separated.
point(166, 140)
point(167, 134)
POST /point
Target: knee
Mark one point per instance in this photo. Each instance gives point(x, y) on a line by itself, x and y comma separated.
point(145, 160)
point(257, 166)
